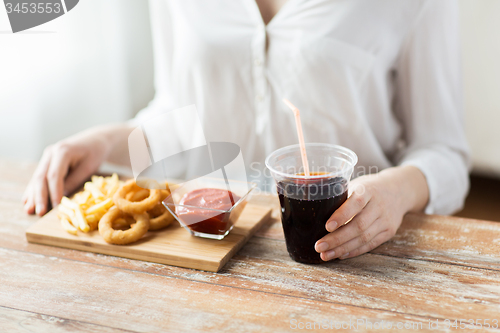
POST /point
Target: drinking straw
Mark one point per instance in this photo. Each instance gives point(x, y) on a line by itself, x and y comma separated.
point(303, 153)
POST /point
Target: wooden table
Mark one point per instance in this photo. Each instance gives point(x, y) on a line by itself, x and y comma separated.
point(435, 268)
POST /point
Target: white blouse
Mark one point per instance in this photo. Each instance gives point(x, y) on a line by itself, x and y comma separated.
point(379, 77)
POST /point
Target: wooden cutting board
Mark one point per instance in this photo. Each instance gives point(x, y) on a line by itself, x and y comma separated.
point(172, 246)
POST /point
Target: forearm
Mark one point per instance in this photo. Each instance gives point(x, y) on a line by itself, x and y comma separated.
point(115, 137)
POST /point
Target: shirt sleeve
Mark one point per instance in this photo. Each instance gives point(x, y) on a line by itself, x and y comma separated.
point(162, 103)
point(161, 31)
point(430, 107)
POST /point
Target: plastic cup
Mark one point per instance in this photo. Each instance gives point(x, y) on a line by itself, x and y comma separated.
point(308, 202)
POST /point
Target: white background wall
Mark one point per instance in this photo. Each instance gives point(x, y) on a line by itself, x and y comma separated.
point(480, 31)
point(94, 65)
point(90, 66)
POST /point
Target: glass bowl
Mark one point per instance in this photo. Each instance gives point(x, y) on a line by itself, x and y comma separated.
point(205, 222)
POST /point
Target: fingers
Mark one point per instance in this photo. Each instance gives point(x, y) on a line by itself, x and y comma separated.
point(375, 242)
point(25, 196)
point(37, 182)
point(81, 154)
point(55, 175)
point(41, 197)
point(29, 205)
point(352, 206)
point(353, 244)
point(362, 226)
point(77, 176)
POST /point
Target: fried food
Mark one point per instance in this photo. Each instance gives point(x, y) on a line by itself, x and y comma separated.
point(66, 224)
point(122, 237)
point(159, 217)
point(123, 223)
point(137, 195)
point(86, 208)
point(123, 213)
point(137, 207)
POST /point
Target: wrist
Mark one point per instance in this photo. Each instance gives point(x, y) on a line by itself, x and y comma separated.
point(114, 138)
point(411, 186)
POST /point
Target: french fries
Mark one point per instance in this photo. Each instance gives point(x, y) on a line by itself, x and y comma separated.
point(68, 226)
point(86, 208)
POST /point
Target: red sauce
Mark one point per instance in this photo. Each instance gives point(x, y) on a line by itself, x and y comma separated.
point(206, 221)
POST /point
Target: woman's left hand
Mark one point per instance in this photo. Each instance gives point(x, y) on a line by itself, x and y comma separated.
point(377, 204)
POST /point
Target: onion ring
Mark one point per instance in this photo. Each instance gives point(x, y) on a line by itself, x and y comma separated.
point(123, 223)
point(138, 195)
point(159, 217)
point(129, 195)
point(164, 194)
point(138, 207)
point(122, 237)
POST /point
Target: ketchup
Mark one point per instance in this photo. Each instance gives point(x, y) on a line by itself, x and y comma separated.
point(206, 221)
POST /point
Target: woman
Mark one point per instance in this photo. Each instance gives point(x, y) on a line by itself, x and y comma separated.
point(379, 77)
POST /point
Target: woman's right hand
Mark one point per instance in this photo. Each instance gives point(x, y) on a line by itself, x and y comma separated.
point(64, 166)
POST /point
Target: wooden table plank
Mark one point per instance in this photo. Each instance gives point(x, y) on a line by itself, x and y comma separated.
point(150, 302)
point(428, 289)
point(14, 176)
point(436, 238)
point(435, 267)
point(446, 239)
point(13, 321)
